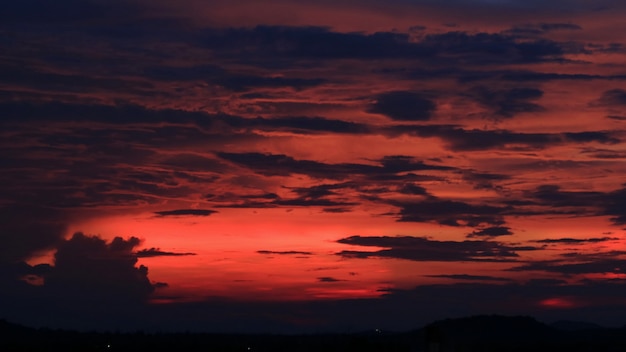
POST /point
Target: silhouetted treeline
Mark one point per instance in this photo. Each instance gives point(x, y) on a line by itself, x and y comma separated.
point(480, 333)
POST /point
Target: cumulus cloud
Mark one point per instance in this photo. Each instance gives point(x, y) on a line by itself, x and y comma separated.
point(89, 268)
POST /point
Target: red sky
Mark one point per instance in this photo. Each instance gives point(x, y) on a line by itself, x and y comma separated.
point(302, 165)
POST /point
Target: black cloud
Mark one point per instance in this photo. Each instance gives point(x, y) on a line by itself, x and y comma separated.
point(266, 252)
point(470, 277)
point(321, 43)
point(229, 80)
point(495, 231)
point(507, 103)
point(185, 212)
point(567, 240)
point(612, 97)
point(27, 229)
point(133, 114)
point(403, 106)
point(90, 269)
point(450, 212)
point(328, 279)
point(598, 266)
point(157, 252)
point(424, 249)
point(483, 180)
point(611, 203)
point(533, 29)
point(284, 165)
point(42, 11)
point(459, 139)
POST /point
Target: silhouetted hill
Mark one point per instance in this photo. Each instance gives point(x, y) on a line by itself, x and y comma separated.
point(495, 328)
point(478, 333)
point(569, 325)
point(501, 333)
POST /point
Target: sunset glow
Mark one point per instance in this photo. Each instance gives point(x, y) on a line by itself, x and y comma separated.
point(311, 164)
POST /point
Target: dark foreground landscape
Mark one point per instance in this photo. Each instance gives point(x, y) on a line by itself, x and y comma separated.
point(479, 333)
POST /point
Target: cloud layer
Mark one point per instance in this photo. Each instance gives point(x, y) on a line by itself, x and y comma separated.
point(314, 158)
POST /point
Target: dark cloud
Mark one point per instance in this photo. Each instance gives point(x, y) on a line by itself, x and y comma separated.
point(495, 231)
point(519, 76)
point(337, 210)
point(284, 165)
point(611, 203)
point(90, 269)
point(41, 11)
point(266, 252)
point(459, 139)
point(559, 26)
point(133, 114)
point(506, 103)
point(403, 106)
point(313, 202)
point(242, 83)
point(187, 162)
point(491, 47)
point(108, 114)
point(412, 189)
point(611, 48)
point(403, 163)
point(157, 252)
point(450, 212)
point(185, 212)
point(325, 195)
point(424, 249)
point(27, 229)
point(591, 256)
point(616, 206)
point(535, 29)
point(261, 196)
point(230, 80)
point(322, 44)
point(470, 277)
point(70, 82)
point(319, 191)
point(612, 97)
point(92, 284)
point(483, 180)
point(617, 266)
point(328, 279)
point(303, 124)
point(604, 153)
point(553, 195)
point(567, 240)
point(309, 42)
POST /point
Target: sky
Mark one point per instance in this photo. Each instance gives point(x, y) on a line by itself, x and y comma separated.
point(311, 166)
